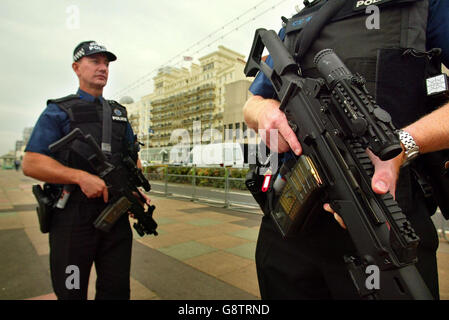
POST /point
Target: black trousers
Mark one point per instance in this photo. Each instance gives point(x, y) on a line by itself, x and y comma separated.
point(75, 244)
point(311, 266)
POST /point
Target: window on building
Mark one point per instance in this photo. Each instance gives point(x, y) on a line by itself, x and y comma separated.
point(230, 133)
point(208, 66)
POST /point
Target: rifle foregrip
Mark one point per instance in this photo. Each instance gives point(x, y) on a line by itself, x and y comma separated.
point(145, 222)
point(403, 239)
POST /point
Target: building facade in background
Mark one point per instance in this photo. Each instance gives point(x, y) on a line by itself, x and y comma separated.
point(235, 129)
point(209, 95)
point(7, 160)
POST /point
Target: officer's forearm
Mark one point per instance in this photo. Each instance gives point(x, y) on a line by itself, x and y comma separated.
point(431, 133)
point(139, 164)
point(251, 110)
point(258, 107)
point(45, 168)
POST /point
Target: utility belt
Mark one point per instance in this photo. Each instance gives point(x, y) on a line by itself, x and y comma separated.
point(50, 197)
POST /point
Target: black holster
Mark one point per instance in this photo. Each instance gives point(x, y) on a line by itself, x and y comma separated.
point(45, 199)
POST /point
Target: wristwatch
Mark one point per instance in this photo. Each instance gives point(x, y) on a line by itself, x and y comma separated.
point(410, 146)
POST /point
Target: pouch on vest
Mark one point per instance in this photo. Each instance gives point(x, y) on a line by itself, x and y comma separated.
point(407, 66)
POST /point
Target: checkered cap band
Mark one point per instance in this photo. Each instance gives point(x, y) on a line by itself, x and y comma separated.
point(88, 48)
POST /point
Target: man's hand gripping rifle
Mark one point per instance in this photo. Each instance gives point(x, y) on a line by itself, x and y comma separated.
point(122, 181)
point(335, 120)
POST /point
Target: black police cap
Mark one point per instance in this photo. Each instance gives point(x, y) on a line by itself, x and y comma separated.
point(87, 48)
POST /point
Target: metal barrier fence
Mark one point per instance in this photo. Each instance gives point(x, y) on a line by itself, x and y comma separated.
point(227, 196)
point(224, 193)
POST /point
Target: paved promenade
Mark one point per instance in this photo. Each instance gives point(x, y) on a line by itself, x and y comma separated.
point(202, 252)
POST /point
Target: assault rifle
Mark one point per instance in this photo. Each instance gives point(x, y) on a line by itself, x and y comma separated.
point(335, 120)
point(122, 182)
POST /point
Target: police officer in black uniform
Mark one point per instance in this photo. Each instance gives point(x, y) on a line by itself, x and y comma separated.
point(395, 60)
point(75, 244)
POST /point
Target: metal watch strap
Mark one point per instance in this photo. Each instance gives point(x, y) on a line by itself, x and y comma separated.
point(410, 146)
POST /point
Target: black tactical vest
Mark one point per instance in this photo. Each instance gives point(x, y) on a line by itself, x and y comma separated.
point(88, 116)
point(392, 58)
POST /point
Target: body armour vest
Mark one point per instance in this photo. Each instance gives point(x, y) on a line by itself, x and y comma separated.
point(388, 49)
point(88, 116)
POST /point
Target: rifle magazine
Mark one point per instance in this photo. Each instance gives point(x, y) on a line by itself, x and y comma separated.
point(111, 214)
point(299, 196)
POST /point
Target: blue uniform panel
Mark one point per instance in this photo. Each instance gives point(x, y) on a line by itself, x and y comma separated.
point(51, 126)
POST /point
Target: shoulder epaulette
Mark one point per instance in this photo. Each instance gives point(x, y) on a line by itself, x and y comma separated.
point(63, 99)
point(115, 103)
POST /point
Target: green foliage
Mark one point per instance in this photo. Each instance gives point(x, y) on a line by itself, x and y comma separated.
point(213, 177)
point(202, 177)
point(237, 174)
point(175, 174)
point(156, 172)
